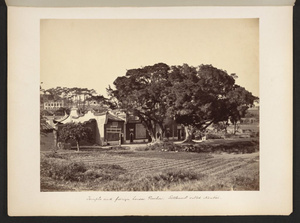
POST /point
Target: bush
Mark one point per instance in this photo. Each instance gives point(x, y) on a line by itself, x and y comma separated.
point(198, 135)
point(229, 135)
point(228, 147)
point(119, 147)
point(163, 146)
point(231, 147)
point(214, 136)
point(254, 134)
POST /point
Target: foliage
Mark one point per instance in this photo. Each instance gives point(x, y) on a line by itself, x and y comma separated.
point(239, 100)
point(201, 96)
point(75, 131)
point(142, 92)
point(220, 126)
point(163, 146)
point(62, 111)
point(195, 97)
point(43, 123)
point(229, 147)
point(214, 136)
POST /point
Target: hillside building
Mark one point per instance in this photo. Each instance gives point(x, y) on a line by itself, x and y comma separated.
point(53, 105)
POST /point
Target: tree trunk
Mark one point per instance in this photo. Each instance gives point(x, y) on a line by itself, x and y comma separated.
point(77, 143)
point(189, 131)
point(154, 138)
point(234, 128)
point(225, 126)
point(161, 131)
point(151, 128)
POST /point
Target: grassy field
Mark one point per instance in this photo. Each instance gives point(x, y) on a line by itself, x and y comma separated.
point(136, 170)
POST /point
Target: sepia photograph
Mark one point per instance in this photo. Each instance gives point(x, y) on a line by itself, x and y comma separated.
point(149, 105)
point(150, 111)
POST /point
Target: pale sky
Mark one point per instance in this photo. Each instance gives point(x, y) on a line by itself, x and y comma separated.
point(93, 53)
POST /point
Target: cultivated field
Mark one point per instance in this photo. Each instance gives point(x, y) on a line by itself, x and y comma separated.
point(133, 170)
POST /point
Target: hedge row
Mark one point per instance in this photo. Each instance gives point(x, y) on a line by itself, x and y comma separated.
point(228, 147)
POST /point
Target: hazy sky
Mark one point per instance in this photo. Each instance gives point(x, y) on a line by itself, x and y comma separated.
point(93, 53)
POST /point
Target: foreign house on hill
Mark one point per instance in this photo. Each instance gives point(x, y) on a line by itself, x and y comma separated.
point(53, 105)
point(113, 128)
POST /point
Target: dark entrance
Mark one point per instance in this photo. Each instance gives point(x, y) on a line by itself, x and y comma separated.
point(131, 137)
point(179, 134)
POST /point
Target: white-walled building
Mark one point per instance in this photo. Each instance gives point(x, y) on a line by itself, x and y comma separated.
point(53, 105)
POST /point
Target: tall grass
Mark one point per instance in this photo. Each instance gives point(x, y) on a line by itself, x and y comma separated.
point(67, 170)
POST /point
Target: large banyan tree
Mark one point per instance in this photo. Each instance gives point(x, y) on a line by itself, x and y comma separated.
point(195, 97)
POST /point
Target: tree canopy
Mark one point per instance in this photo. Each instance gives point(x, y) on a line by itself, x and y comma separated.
point(75, 131)
point(143, 92)
point(195, 97)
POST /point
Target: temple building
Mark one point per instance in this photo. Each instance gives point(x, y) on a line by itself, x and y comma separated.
point(113, 127)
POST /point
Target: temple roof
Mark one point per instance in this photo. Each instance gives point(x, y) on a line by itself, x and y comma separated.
point(115, 118)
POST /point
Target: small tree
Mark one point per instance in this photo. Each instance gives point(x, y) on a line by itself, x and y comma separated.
point(75, 131)
point(239, 100)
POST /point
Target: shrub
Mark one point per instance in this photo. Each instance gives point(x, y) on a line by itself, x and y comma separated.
point(228, 136)
point(119, 147)
point(228, 146)
point(254, 134)
point(198, 135)
point(231, 147)
point(214, 136)
point(163, 146)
